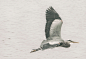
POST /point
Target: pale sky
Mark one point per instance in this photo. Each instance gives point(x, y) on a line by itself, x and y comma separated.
point(22, 26)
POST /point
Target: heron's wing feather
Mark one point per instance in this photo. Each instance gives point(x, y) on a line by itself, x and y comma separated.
point(51, 15)
point(55, 29)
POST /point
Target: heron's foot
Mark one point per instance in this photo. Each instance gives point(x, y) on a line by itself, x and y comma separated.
point(34, 50)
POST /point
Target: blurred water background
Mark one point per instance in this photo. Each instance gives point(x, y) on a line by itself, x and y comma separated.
point(22, 26)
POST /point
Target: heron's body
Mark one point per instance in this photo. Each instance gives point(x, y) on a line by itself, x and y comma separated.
point(53, 32)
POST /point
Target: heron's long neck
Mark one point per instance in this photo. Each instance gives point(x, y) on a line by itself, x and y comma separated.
point(65, 44)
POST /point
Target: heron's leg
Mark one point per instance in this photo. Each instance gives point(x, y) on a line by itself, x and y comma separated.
point(34, 50)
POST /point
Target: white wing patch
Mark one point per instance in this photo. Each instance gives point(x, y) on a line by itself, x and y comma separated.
point(51, 43)
point(55, 30)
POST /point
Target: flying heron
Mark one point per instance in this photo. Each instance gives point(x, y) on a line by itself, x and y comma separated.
point(53, 32)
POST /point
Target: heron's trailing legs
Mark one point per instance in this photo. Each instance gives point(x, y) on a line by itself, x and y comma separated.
point(34, 50)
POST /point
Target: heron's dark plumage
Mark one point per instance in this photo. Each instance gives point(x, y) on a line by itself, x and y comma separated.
point(51, 15)
point(65, 44)
point(47, 46)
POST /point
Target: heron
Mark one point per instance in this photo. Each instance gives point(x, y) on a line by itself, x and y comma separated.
point(53, 32)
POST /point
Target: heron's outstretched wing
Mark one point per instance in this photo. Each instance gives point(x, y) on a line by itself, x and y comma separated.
point(53, 23)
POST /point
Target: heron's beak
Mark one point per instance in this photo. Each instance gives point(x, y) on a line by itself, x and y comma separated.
point(75, 42)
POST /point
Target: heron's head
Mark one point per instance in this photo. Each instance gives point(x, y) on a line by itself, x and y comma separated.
point(70, 41)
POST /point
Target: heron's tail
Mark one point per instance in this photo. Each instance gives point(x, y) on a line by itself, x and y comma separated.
point(34, 50)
